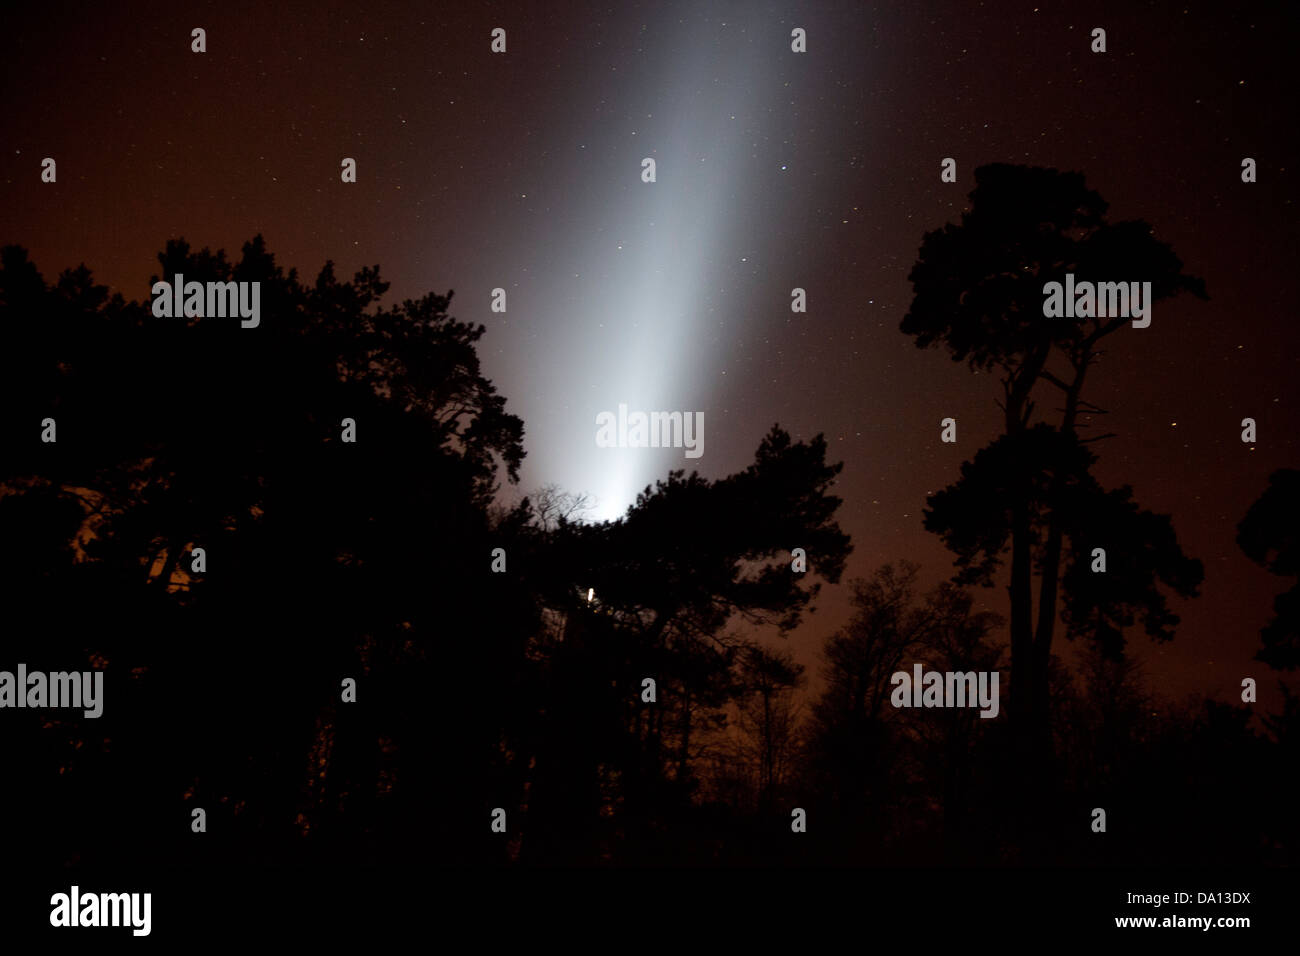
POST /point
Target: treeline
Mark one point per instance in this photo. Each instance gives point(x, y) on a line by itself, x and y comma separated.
point(500, 656)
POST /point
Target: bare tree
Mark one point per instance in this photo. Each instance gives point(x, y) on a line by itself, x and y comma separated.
point(552, 505)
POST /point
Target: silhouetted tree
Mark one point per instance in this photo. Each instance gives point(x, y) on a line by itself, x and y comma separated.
point(954, 756)
point(1270, 536)
point(861, 747)
point(325, 560)
point(688, 559)
point(979, 291)
point(768, 718)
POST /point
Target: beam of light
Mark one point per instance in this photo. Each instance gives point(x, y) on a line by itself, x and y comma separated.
point(631, 292)
point(660, 253)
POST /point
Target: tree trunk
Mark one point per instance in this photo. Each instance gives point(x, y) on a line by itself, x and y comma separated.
point(1050, 586)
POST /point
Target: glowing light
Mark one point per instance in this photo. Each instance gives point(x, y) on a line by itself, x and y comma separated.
point(629, 297)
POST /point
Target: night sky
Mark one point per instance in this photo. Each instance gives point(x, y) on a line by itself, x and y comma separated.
point(774, 170)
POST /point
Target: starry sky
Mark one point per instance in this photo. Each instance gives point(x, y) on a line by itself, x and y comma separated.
point(774, 170)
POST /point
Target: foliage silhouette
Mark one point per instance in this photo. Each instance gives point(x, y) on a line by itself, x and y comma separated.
point(1270, 536)
point(979, 292)
point(328, 560)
